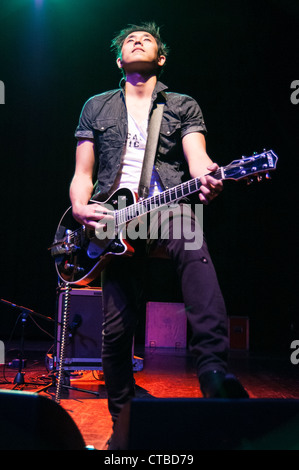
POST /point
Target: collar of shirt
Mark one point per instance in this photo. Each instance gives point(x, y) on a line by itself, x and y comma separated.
point(158, 90)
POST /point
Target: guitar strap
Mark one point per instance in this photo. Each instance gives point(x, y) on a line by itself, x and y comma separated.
point(151, 148)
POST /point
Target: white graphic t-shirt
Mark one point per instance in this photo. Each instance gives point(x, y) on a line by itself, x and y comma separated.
point(132, 160)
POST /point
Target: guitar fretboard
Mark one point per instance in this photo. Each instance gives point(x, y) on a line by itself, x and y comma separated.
point(167, 197)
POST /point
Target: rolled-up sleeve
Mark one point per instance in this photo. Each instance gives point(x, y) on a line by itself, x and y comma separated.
point(191, 117)
point(84, 129)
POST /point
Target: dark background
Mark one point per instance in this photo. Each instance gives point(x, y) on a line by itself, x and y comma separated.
point(237, 58)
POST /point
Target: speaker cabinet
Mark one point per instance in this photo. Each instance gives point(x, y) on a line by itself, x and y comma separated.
point(29, 421)
point(82, 350)
point(83, 345)
point(202, 424)
point(166, 325)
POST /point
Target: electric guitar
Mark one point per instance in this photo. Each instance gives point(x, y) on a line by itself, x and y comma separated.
point(81, 253)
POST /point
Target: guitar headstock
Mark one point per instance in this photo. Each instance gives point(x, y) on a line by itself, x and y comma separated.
point(254, 166)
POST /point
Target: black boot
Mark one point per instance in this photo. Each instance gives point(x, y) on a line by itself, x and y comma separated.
point(216, 384)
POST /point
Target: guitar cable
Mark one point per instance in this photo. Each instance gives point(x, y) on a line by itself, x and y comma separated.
point(65, 319)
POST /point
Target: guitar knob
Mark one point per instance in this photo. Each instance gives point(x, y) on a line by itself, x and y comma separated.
point(69, 266)
point(79, 269)
point(73, 268)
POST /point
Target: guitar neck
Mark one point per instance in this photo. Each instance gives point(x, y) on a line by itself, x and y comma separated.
point(166, 197)
point(236, 170)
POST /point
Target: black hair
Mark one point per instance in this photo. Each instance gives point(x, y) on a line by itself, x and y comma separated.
point(148, 27)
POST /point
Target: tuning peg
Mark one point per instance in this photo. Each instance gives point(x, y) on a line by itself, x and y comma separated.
point(267, 176)
point(259, 178)
point(249, 181)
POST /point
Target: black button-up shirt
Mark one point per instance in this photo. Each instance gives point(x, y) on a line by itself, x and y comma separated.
point(104, 119)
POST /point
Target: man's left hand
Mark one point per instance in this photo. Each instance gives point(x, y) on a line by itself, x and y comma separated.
point(211, 187)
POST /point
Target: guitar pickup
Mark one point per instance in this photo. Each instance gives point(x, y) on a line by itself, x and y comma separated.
point(63, 248)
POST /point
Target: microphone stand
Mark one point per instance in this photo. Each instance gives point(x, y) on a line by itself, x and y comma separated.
point(19, 378)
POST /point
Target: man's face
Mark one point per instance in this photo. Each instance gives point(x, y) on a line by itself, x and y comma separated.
point(140, 53)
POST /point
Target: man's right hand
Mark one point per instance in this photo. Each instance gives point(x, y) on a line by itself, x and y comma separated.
point(91, 215)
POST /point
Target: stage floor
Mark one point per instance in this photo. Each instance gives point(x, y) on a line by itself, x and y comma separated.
point(166, 373)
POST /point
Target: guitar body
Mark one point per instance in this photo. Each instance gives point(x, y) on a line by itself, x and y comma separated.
point(80, 256)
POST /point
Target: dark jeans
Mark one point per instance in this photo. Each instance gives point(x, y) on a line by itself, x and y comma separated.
point(122, 283)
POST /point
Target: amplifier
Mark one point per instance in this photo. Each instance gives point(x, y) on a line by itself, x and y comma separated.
point(166, 325)
point(83, 339)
